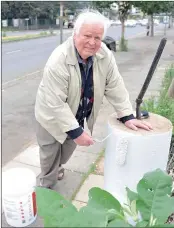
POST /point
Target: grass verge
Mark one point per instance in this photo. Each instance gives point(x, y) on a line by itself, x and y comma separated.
point(25, 37)
point(85, 176)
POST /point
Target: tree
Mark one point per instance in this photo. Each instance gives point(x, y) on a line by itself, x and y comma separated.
point(123, 11)
point(101, 5)
point(153, 7)
point(5, 9)
point(33, 9)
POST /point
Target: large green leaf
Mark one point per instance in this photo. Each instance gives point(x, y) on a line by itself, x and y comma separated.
point(49, 203)
point(142, 224)
point(131, 195)
point(62, 217)
point(91, 218)
point(58, 212)
point(104, 201)
point(118, 223)
point(77, 219)
point(154, 191)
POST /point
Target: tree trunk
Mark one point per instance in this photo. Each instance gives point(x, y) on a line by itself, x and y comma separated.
point(171, 90)
point(36, 23)
point(122, 29)
point(170, 21)
point(152, 26)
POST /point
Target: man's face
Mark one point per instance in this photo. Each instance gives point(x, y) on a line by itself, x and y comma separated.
point(88, 40)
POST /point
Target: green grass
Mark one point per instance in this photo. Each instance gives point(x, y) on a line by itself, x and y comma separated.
point(25, 37)
point(85, 176)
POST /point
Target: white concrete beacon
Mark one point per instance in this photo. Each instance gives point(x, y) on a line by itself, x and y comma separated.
point(130, 154)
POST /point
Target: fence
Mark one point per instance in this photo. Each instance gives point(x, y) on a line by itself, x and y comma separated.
point(29, 24)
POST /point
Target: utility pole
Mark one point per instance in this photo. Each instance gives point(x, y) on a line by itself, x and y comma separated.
point(61, 22)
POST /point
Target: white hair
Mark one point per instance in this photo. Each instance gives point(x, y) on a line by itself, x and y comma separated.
point(90, 16)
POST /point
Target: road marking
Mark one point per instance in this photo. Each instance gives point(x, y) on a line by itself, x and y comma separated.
point(6, 84)
point(11, 52)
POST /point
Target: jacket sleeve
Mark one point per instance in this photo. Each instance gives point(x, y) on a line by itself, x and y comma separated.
point(115, 91)
point(54, 88)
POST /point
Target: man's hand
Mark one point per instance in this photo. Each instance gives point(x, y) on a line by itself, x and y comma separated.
point(134, 124)
point(84, 140)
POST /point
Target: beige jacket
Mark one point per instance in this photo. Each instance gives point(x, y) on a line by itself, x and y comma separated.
point(59, 92)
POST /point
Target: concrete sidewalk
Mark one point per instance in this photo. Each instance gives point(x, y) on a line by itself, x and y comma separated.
point(133, 66)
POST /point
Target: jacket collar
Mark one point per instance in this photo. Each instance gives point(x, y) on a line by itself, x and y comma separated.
point(71, 57)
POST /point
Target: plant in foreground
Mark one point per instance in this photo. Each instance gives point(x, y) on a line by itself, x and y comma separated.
point(150, 206)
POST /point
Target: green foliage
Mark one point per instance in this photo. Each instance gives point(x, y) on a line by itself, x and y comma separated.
point(101, 5)
point(150, 206)
point(154, 201)
point(123, 9)
point(123, 44)
point(151, 7)
point(163, 105)
point(31, 9)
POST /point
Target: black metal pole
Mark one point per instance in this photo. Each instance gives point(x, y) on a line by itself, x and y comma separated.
point(149, 76)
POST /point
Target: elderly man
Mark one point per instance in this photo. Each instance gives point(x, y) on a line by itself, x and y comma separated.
point(78, 74)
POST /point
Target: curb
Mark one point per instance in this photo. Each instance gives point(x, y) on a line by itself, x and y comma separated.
point(31, 38)
point(27, 38)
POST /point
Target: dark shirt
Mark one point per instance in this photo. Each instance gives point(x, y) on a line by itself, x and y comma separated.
point(87, 96)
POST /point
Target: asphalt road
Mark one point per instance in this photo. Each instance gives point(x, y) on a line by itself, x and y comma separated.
point(27, 57)
point(22, 65)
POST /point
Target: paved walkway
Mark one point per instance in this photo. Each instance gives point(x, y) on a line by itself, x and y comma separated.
point(134, 66)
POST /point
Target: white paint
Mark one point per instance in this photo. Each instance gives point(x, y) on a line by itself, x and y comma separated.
point(11, 52)
point(146, 151)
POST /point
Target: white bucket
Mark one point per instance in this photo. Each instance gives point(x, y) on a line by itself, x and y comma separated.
point(18, 196)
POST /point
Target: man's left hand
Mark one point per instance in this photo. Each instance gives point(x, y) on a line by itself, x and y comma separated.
point(134, 124)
